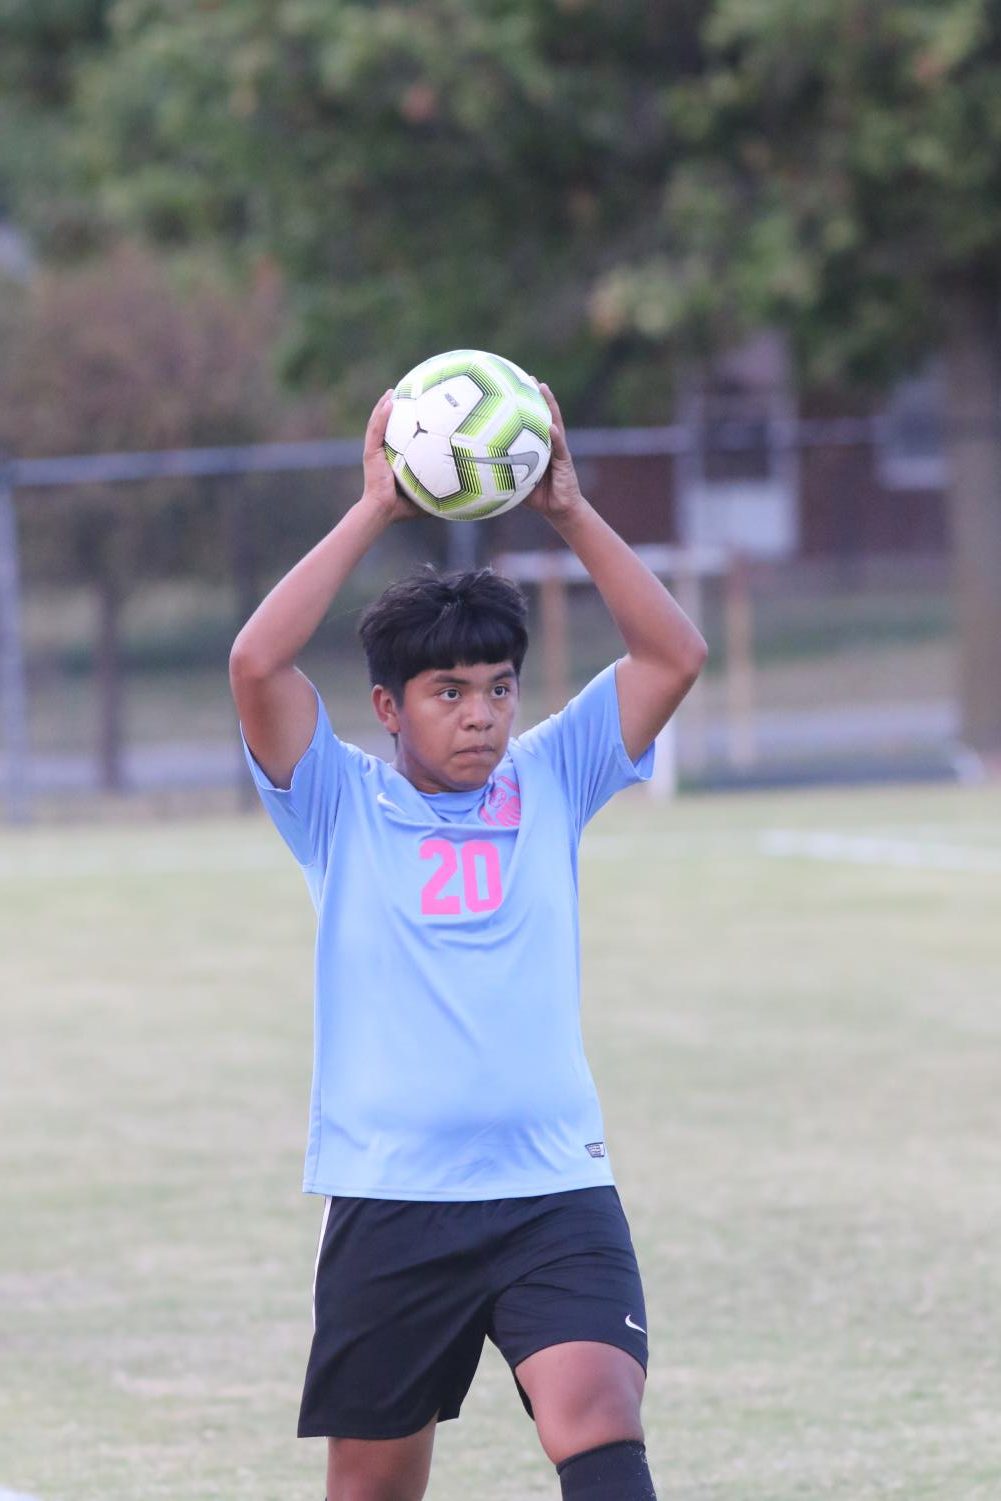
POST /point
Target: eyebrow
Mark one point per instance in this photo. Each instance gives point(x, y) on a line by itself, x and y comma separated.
point(453, 677)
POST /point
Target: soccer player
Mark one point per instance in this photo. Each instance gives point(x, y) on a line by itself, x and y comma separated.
point(454, 1128)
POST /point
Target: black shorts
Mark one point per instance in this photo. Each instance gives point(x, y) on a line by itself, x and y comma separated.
point(406, 1293)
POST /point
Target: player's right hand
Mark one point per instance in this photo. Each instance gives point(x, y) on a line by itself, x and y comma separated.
point(381, 489)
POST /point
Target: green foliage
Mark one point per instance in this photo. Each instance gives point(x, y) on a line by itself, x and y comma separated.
point(585, 185)
point(42, 40)
point(845, 166)
point(429, 176)
point(43, 43)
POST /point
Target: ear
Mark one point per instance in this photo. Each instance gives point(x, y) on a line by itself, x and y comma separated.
point(385, 709)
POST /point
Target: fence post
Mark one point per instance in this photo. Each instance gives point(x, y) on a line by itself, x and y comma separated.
point(13, 695)
point(555, 638)
point(740, 696)
point(689, 593)
point(664, 782)
point(238, 525)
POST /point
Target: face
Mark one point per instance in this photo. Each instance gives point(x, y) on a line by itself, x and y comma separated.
point(453, 725)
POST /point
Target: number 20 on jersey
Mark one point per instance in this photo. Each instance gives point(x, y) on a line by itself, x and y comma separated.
point(465, 878)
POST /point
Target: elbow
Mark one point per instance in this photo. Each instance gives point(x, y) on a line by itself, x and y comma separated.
point(693, 659)
point(245, 664)
point(675, 667)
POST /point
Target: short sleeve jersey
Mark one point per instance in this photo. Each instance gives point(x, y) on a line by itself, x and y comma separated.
point(448, 1057)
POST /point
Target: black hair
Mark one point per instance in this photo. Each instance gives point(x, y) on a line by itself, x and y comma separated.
point(433, 619)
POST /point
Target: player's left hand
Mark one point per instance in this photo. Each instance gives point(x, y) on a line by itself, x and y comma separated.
point(557, 495)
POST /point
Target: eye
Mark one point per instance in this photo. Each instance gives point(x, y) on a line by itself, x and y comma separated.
point(502, 689)
point(446, 691)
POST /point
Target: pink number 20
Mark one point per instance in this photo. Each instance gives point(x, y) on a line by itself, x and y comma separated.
point(435, 902)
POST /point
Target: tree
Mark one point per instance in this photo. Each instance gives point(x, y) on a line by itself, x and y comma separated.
point(591, 186)
point(43, 43)
point(427, 176)
point(115, 356)
point(842, 178)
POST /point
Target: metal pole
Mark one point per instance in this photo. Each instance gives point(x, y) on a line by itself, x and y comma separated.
point(460, 543)
point(13, 695)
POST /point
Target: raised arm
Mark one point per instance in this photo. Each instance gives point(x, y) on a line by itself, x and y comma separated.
point(665, 651)
point(275, 701)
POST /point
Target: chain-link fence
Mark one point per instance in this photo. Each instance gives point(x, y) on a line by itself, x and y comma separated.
point(819, 573)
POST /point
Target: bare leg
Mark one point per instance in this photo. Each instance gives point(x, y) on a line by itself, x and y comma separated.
point(384, 1469)
point(583, 1395)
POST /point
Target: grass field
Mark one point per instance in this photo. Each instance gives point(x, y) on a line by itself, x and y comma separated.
point(793, 1010)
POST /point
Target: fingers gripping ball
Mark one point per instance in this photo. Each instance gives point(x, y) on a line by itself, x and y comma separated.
point(468, 435)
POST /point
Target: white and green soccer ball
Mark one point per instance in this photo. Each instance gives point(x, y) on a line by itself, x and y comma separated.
point(468, 435)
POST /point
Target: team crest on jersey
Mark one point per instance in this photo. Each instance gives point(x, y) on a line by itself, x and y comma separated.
point(502, 804)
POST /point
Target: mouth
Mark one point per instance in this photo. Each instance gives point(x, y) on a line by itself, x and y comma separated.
point(476, 750)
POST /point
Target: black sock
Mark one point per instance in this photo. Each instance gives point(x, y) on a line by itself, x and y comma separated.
point(613, 1472)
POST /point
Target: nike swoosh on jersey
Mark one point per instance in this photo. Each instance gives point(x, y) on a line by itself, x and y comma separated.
point(631, 1325)
point(388, 803)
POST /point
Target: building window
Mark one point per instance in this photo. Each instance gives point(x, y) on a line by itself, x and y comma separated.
point(910, 453)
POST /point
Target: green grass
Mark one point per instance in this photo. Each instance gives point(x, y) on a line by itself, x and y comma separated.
point(799, 1066)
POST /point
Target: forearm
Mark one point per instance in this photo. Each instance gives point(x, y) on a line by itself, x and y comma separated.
point(653, 626)
point(288, 617)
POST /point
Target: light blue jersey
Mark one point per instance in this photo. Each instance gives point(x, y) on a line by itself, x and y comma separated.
point(448, 1057)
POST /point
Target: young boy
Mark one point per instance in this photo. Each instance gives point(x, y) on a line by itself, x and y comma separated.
point(454, 1127)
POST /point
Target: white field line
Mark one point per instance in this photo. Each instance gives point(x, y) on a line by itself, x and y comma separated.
point(868, 849)
point(661, 846)
point(891, 850)
point(16, 1496)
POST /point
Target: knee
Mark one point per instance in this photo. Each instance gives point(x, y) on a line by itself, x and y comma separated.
point(602, 1417)
point(380, 1469)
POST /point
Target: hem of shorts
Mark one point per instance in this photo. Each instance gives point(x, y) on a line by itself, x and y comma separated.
point(589, 1339)
point(451, 1195)
point(368, 1431)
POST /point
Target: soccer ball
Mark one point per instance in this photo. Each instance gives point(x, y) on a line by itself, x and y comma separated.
point(468, 435)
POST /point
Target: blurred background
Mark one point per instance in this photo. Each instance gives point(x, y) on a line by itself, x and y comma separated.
point(755, 248)
point(756, 251)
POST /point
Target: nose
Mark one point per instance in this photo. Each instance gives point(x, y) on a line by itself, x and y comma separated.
point(480, 712)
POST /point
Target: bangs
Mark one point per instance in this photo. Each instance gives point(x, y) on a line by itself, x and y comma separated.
point(432, 620)
point(463, 637)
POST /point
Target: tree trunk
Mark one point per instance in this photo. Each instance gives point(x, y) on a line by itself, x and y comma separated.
point(110, 726)
point(973, 370)
point(238, 523)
